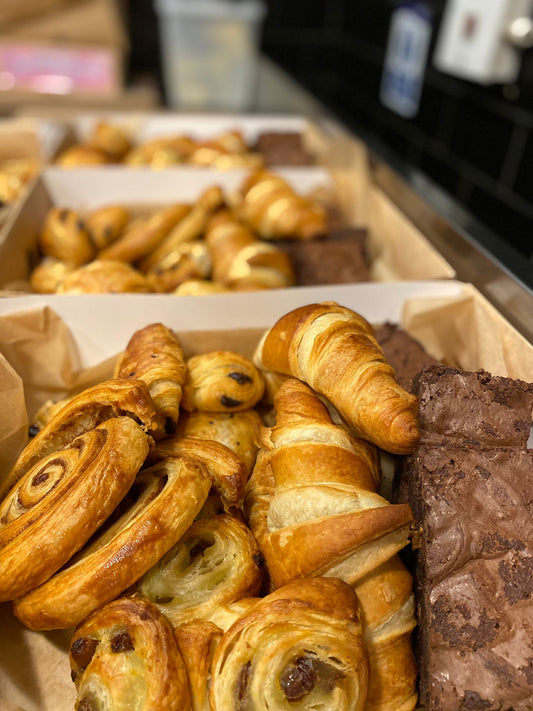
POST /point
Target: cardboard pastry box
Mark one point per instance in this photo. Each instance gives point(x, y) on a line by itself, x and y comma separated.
point(52, 347)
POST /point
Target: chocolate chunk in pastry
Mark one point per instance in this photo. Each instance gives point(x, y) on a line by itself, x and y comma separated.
point(221, 381)
point(65, 237)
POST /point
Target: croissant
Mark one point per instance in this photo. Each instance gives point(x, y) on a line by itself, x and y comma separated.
point(240, 260)
point(189, 229)
point(154, 355)
point(215, 563)
point(190, 260)
point(125, 657)
point(275, 211)
point(299, 647)
point(112, 398)
point(239, 431)
point(106, 225)
point(333, 349)
point(169, 495)
point(105, 277)
point(313, 507)
point(65, 237)
point(49, 274)
point(221, 381)
point(63, 499)
point(144, 235)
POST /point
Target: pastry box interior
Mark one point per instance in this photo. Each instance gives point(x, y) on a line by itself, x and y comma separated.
point(186, 228)
point(54, 349)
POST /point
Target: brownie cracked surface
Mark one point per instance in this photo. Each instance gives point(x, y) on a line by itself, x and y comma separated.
point(470, 484)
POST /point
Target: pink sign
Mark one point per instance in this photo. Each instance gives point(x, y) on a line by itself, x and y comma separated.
point(53, 70)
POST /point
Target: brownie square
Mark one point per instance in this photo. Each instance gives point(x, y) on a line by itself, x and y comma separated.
point(283, 148)
point(470, 486)
point(330, 260)
point(406, 355)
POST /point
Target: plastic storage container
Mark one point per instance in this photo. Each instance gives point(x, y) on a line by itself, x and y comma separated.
point(210, 52)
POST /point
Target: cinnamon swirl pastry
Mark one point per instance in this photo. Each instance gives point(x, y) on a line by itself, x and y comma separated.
point(63, 499)
point(154, 356)
point(221, 381)
point(124, 656)
point(169, 495)
point(300, 647)
point(94, 405)
point(216, 562)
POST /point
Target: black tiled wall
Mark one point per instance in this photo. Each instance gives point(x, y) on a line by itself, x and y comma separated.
point(474, 141)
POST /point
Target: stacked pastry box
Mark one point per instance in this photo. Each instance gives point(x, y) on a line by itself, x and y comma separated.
point(222, 500)
point(212, 204)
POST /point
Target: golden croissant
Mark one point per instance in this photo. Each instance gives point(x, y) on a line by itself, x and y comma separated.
point(333, 350)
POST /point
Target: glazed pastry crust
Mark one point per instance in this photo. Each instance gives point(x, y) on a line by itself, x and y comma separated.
point(63, 499)
point(65, 237)
point(125, 656)
point(308, 629)
point(333, 350)
point(197, 641)
point(154, 355)
point(49, 274)
point(215, 563)
point(112, 398)
point(221, 381)
point(190, 260)
point(239, 431)
point(170, 494)
point(81, 155)
point(105, 277)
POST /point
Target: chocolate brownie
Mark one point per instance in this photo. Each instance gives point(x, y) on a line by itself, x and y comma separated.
point(406, 355)
point(283, 148)
point(338, 258)
point(470, 489)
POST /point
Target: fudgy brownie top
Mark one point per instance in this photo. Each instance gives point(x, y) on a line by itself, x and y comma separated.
point(473, 407)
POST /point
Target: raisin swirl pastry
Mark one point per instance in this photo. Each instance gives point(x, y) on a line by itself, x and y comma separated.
point(154, 355)
point(63, 499)
point(65, 237)
point(168, 496)
point(239, 431)
point(300, 647)
point(221, 381)
point(216, 562)
point(124, 656)
point(94, 405)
